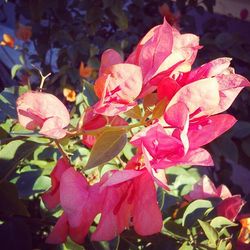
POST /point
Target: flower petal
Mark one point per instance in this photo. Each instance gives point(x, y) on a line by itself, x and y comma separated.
point(59, 233)
point(147, 218)
point(216, 125)
point(109, 57)
point(230, 207)
point(51, 198)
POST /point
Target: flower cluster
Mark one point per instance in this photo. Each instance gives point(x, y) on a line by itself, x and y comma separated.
point(182, 113)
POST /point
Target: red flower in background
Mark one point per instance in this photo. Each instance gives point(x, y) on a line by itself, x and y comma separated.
point(230, 205)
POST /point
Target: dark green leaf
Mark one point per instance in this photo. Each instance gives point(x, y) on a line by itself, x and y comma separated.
point(194, 211)
point(175, 230)
point(12, 153)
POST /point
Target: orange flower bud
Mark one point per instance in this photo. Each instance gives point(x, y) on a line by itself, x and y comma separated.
point(8, 40)
point(85, 71)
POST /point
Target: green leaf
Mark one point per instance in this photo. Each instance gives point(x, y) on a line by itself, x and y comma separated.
point(210, 232)
point(159, 109)
point(222, 222)
point(194, 211)
point(186, 246)
point(108, 167)
point(41, 184)
point(69, 245)
point(116, 8)
point(14, 69)
point(89, 93)
point(8, 103)
point(109, 144)
point(175, 230)
point(135, 112)
point(222, 245)
point(8, 99)
point(12, 153)
point(128, 151)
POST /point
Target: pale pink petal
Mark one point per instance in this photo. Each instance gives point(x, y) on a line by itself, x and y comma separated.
point(29, 118)
point(45, 104)
point(42, 110)
point(187, 45)
point(53, 128)
point(118, 88)
point(229, 87)
point(202, 94)
point(223, 192)
point(207, 70)
point(128, 77)
point(113, 109)
point(109, 57)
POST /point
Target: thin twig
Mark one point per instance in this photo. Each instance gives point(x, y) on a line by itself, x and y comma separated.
point(61, 150)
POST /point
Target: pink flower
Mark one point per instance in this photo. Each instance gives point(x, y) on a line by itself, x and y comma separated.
point(130, 199)
point(80, 203)
point(207, 90)
point(196, 132)
point(230, 205)
point(117, 87)
point(43, 111)
point(51, 198)
point(123, 198)
point(165, 150)
point(162, 52)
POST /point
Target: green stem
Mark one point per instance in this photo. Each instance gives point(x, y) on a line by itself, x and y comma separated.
point(64, 155)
